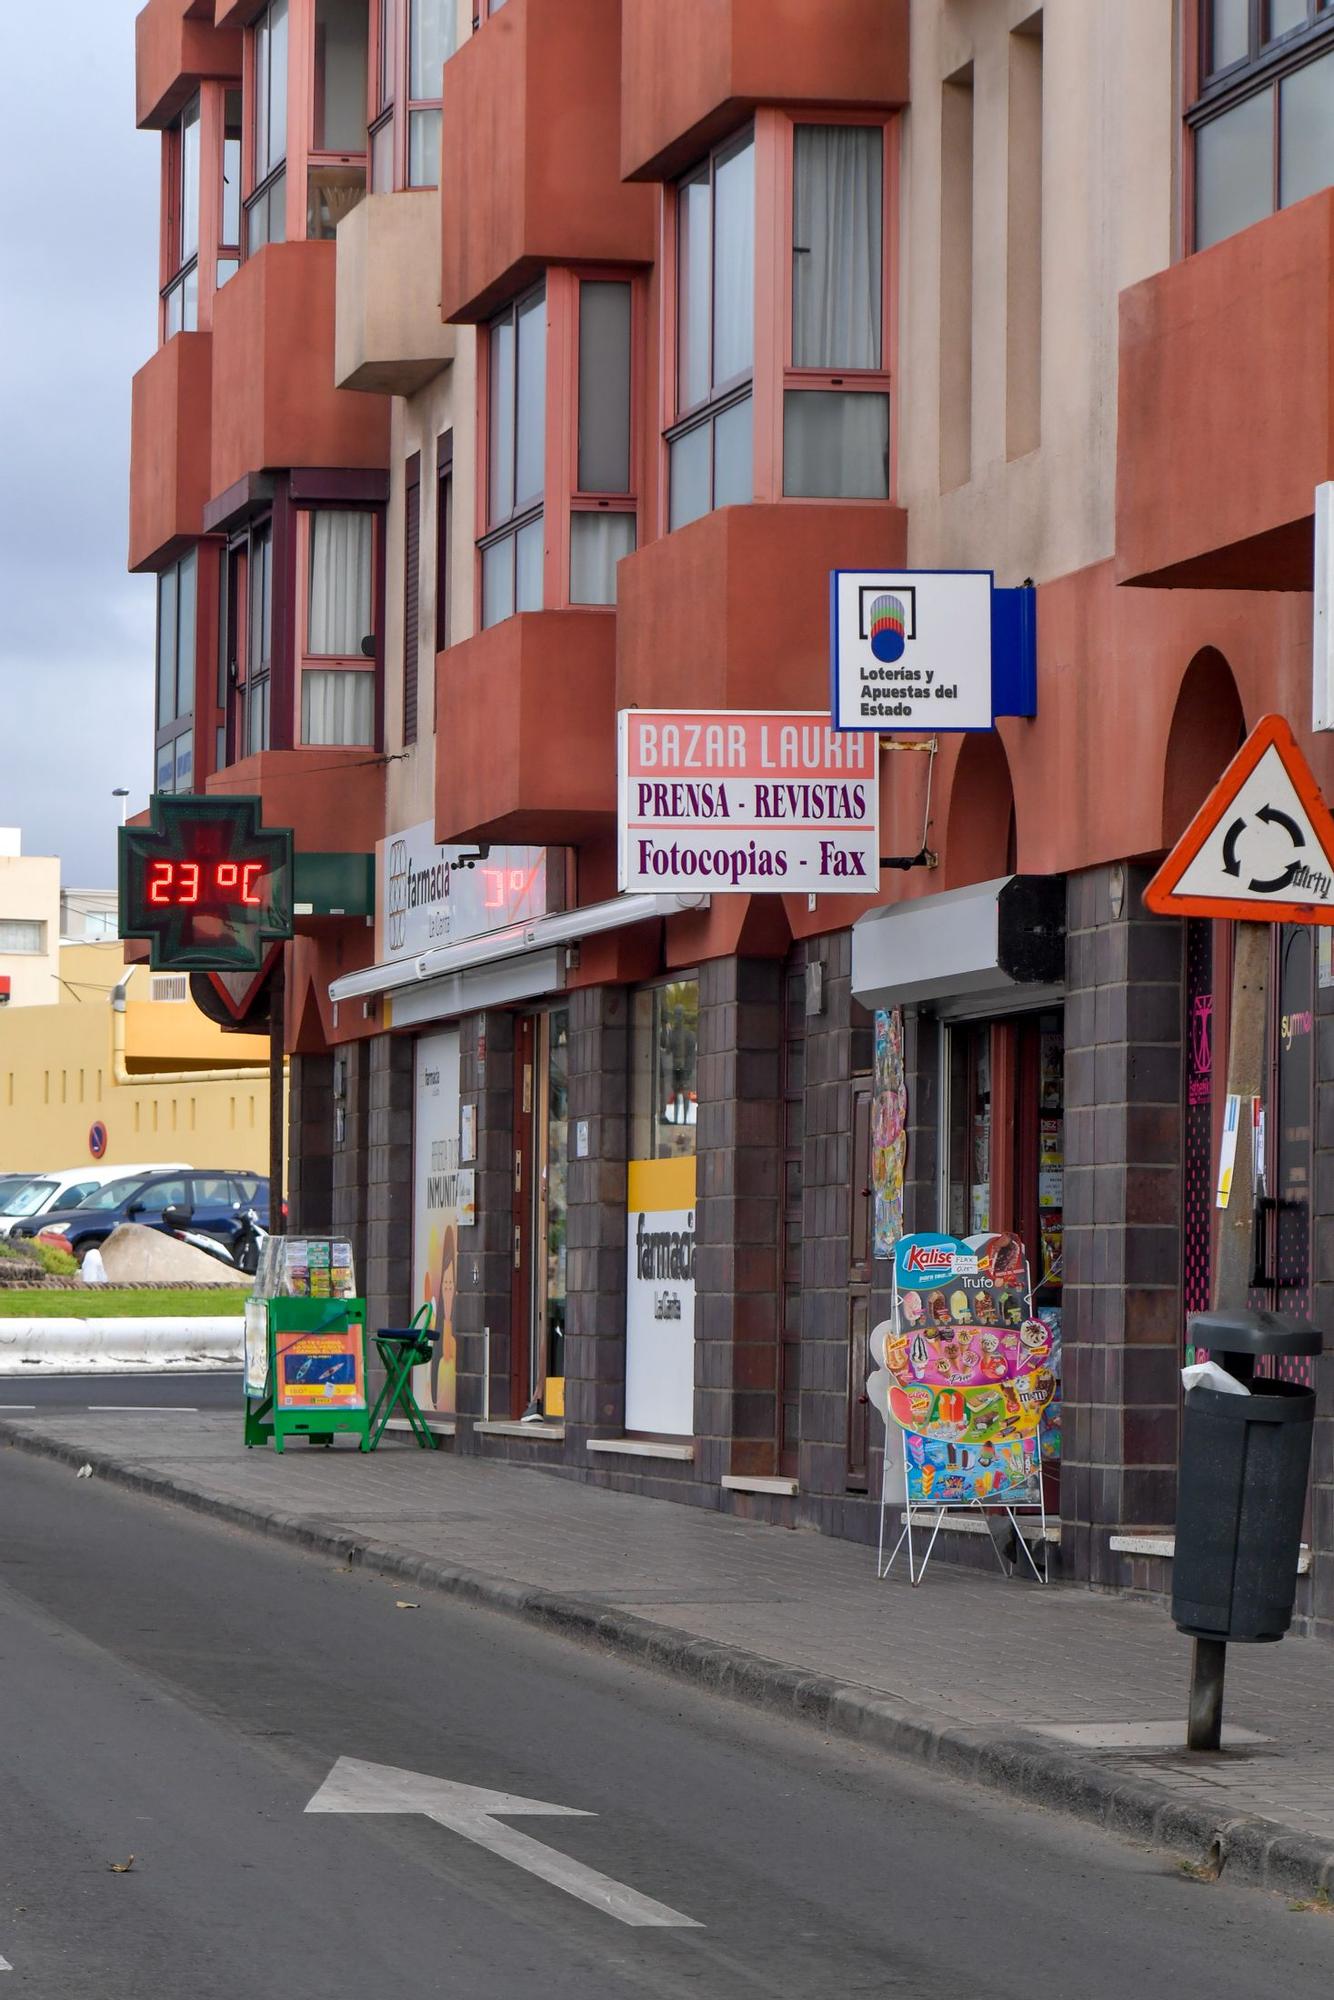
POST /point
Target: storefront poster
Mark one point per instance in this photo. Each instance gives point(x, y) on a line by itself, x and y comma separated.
point(435, 1219)
point(660, 1297)
point(320, 1370)
point(964, 1369)
point(889, 1130)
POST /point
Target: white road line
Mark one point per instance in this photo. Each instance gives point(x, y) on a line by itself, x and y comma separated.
point(18, 1406)
point(5, 1965)
point(150, 1409)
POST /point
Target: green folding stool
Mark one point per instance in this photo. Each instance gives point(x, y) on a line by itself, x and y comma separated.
point(401, 1349)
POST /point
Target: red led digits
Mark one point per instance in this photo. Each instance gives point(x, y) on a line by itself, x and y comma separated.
point(183, 884)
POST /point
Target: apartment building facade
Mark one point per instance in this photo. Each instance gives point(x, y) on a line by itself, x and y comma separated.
point(527, 365)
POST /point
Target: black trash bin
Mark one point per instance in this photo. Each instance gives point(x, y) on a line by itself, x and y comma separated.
point(1241, 1491)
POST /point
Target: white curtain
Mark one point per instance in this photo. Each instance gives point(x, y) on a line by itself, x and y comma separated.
point(835, 445)
point(836, 236)
point(340, 585)
point(597, 543)
point(337, 706)
point(431, 44)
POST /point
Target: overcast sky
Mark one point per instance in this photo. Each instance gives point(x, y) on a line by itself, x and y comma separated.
point(78, 276)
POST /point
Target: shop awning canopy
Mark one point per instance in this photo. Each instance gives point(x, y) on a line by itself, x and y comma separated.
point(520, 962)
point(999, 940)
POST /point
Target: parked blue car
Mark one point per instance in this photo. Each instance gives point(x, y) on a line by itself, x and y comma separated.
point(215, 1202)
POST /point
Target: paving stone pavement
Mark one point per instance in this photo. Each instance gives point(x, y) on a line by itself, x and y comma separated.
point(969, 1650)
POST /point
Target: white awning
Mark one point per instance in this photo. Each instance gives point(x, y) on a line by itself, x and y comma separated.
point(995, 941)
point(539, 935)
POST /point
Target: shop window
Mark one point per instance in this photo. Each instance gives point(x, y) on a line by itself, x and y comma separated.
point(337, 678)
point(1263, 119)
point(180, 297)
point(176, 624)
point(1005, 1140)
point(512, 549)
point(665, 1043)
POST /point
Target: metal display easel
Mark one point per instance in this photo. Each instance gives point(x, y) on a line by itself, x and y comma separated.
point(1010, 1509)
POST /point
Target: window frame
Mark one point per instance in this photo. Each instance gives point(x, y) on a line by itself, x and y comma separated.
point(773, 374)
point(325, 159)
point(1210, 94)
point(444, 530)
point(493, 532)
point(260, 187)
point(178, 267)
point(391, 34)
point(179, 725)
point(367, 664)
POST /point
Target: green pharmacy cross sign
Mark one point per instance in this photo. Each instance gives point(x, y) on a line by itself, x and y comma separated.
point(206, 883)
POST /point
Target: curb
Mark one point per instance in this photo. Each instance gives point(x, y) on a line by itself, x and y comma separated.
point(1253, 1850)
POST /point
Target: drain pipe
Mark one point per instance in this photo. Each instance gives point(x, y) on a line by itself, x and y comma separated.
point(121, 1074)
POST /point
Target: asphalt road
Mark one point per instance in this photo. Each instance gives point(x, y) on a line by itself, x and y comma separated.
point(179, 1390)
point(178, 1691)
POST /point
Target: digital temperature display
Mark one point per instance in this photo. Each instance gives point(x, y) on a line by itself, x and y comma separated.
point(185, 883)
point(206, 883)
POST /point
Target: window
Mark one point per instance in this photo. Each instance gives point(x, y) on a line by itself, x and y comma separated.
point(229, 222)
point(180, 298)
point(266, 211)
point(336, 176)
point(412, 508)
point(711, 446)
point(18, 934)
point(512, 549)
point(602, 523)
point(386, 82)
point(444, 529)
point(1263, 121)
point(835, 410)
point(431, 25)
point(176, 595)
point(664, 1084)
point(338, 693)
point(259, 642)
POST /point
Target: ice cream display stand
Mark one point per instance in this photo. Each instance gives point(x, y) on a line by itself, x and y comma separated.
point(305, 1345)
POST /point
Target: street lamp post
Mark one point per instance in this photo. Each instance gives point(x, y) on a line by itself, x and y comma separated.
point(121, 792)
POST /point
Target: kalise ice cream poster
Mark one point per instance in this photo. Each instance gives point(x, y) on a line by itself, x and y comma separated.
point(965, 1370)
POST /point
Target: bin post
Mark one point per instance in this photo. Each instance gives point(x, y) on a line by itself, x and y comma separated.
point(1208, 1665)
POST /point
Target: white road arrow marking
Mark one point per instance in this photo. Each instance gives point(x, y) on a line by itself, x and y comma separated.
point(356, 1787)
point(5, 1965)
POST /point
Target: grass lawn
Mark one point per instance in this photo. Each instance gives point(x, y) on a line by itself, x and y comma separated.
point(96, 1302)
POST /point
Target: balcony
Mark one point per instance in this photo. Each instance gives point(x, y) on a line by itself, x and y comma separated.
point(532, 154)
point(387, 331)
point(176, 48)
point(526, 730)
point(1227, 409)
point(274, 400)
point(170, 431)
point(331, 797)
point(694, 71)
point(733, 611)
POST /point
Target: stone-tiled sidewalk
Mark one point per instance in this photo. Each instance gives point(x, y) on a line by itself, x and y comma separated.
point(967, 1656)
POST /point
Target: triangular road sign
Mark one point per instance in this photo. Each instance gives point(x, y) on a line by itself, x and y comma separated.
point(1261, 847)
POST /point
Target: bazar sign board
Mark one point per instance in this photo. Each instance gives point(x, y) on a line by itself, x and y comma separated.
point(1261, 847)
point(767, 802)
point(428, 894)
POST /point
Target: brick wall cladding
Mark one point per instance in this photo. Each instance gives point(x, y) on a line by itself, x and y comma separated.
point(387, 1281)
point(351, 1164)
point(738, 1142)
point(595, 1221)
point(1122, 1296)
point(310, 1144)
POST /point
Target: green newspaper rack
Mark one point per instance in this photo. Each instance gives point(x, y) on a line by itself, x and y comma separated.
point(305, 1345)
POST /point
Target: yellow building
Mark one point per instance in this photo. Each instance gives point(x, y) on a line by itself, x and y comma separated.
point(160, 1080)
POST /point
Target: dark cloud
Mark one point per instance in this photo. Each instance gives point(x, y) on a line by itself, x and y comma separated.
point(78, 253)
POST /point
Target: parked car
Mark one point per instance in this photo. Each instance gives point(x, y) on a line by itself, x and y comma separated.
point(31, 1195)
point(215, 1203)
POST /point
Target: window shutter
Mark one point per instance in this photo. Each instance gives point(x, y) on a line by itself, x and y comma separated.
point(411, 572)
